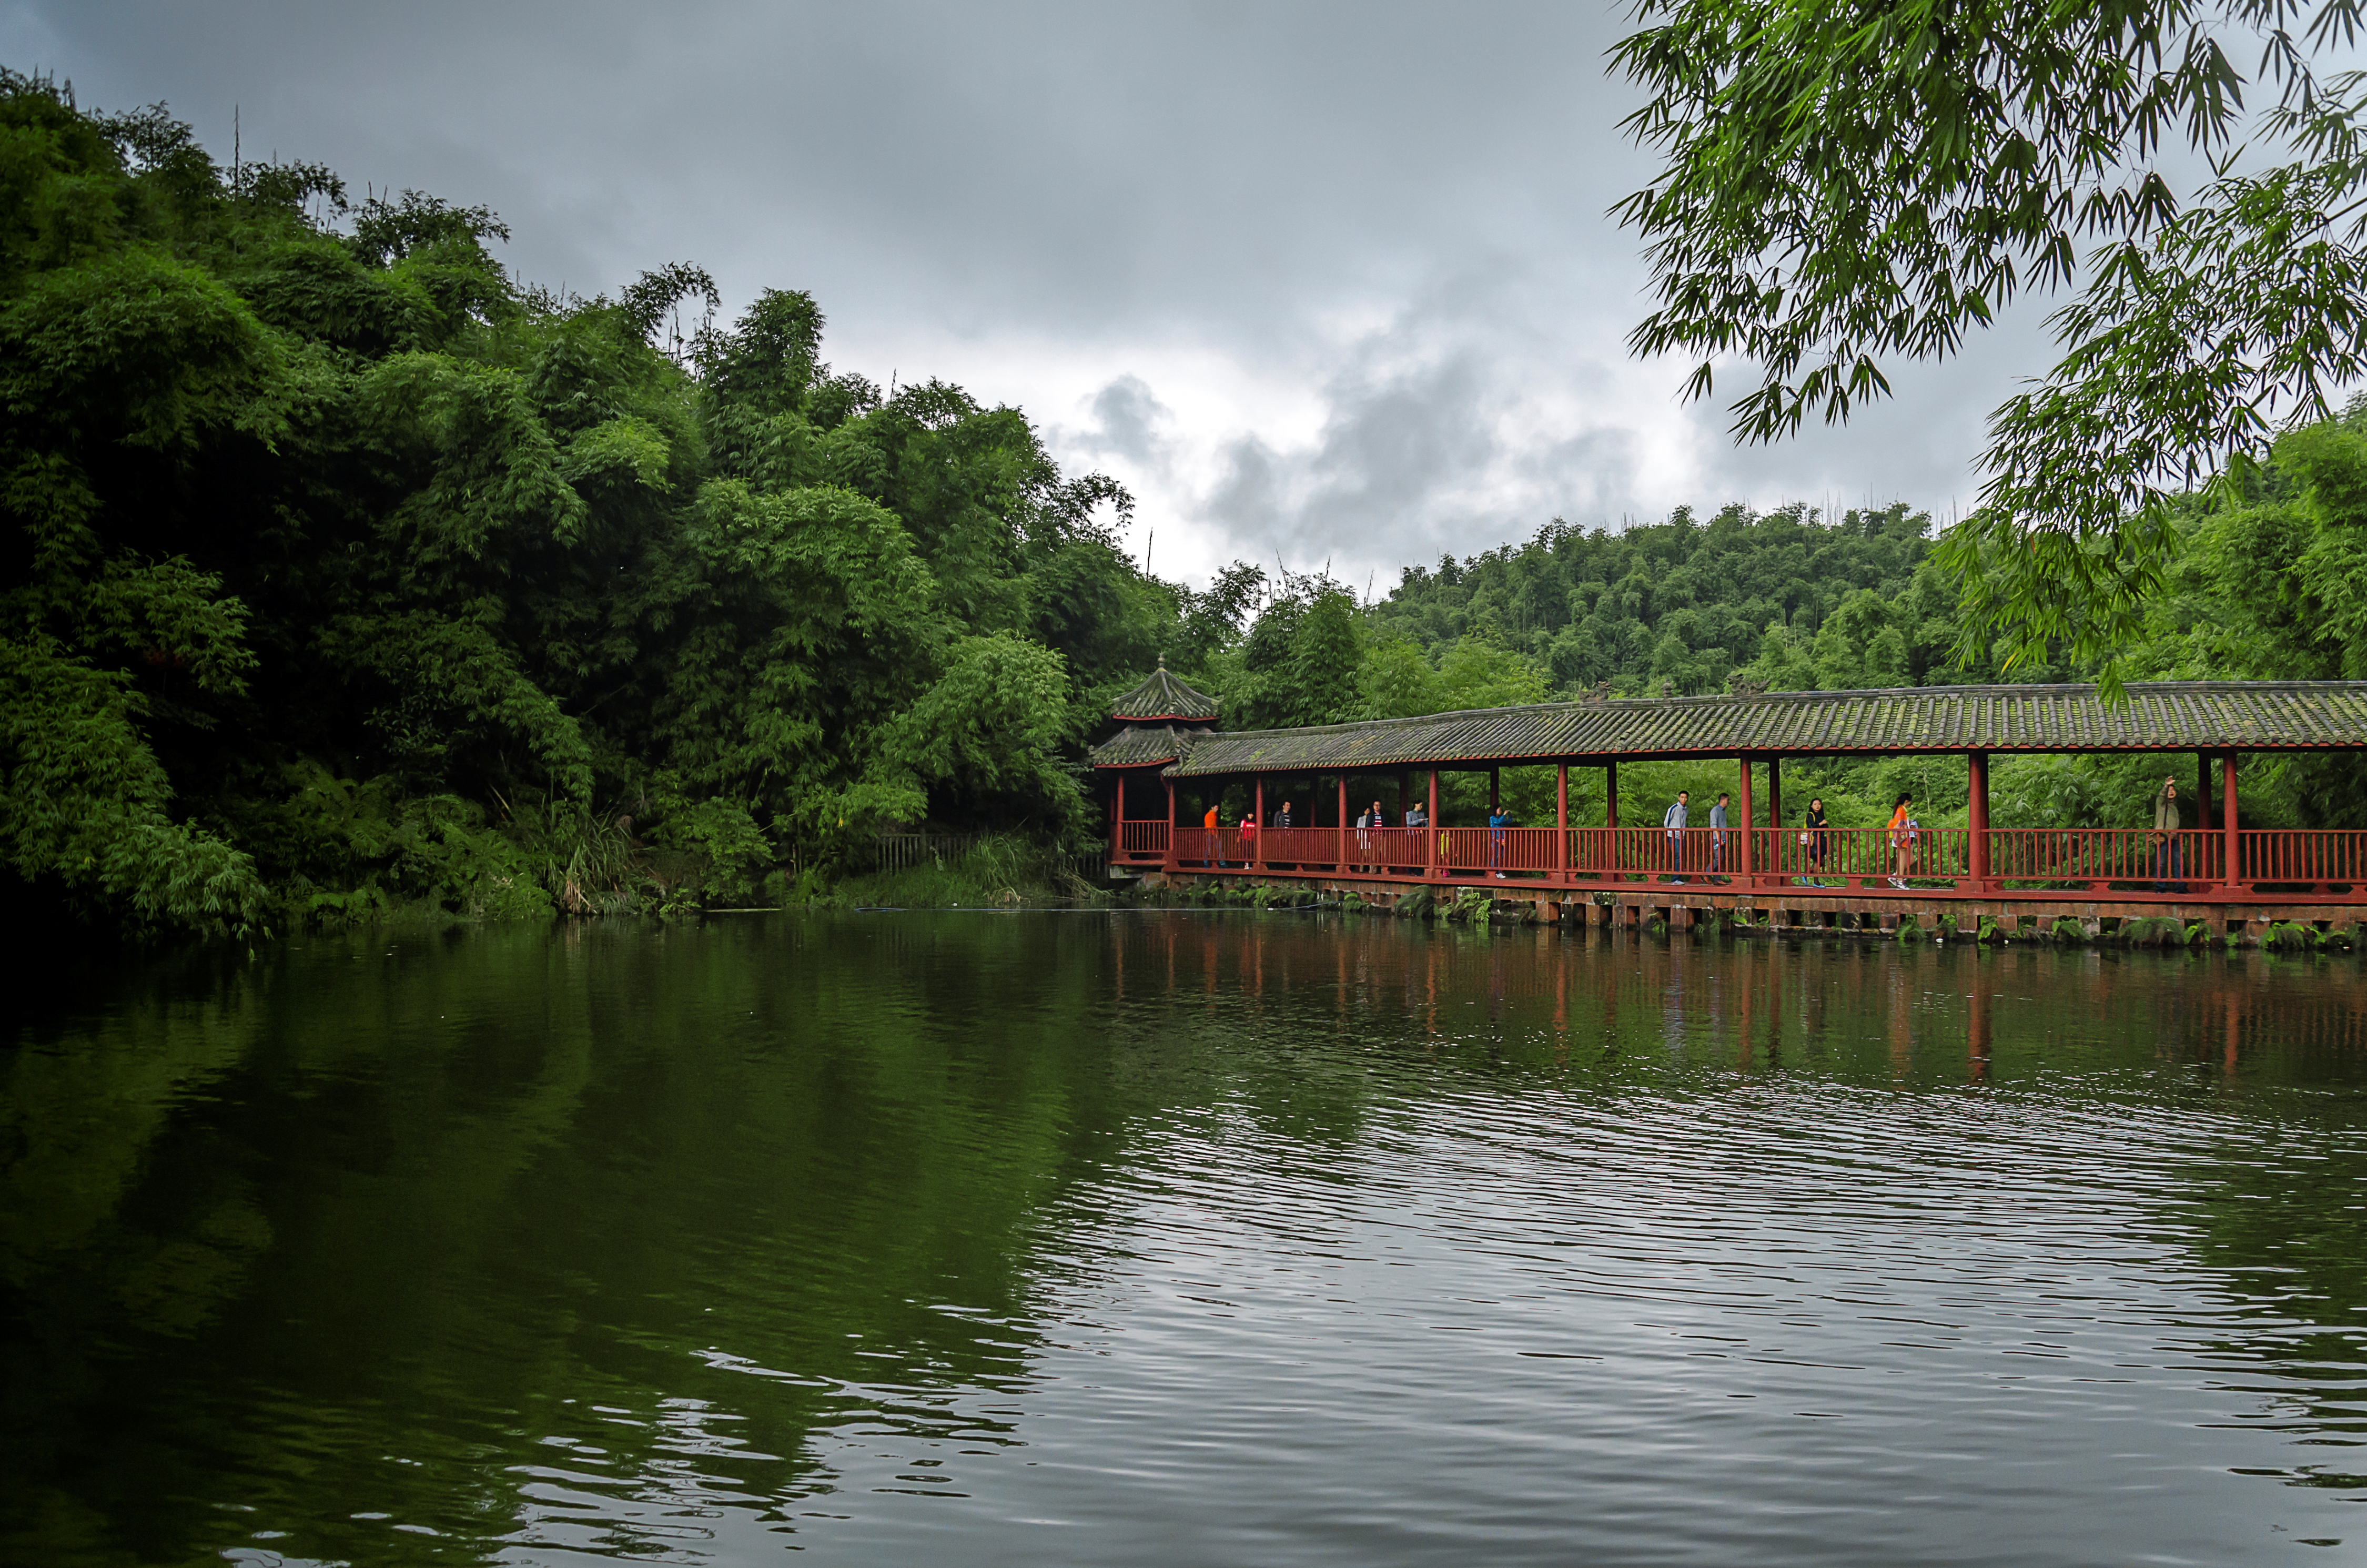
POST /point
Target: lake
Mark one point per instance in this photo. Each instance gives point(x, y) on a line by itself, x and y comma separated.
point(1180, 1238)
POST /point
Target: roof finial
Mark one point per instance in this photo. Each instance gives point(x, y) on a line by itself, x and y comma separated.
point(1163, 660)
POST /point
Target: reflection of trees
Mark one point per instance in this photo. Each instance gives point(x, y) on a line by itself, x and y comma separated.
point(643, 1215)
point(2273, 1211)
point(521, 1172)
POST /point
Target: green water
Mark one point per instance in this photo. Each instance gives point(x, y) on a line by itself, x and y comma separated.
point(1181, 1238)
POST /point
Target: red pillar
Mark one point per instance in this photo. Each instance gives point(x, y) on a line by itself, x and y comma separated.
point(1170, 857)
point(1561, 820)
point(1117, 829)
point(1257, 815)
point(1976, 818)
point(2228, 813)
point(1747, 865)
point(1611, 813)
point(1495, 777)
point(1430, 833)
point(1343, 821)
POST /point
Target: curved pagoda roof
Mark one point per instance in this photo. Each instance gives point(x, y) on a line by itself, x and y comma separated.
point(2158, 716)
point(1163, 697)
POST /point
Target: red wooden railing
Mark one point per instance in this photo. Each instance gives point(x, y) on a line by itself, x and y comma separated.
point(2328, 863)
point(2316, 859)
point(1139, 841)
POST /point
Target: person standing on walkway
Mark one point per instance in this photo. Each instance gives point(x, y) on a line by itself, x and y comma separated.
point(1718, 825)
point(1674, 823)
point(1214, 824)
point(2168, 864)
point(1497, 820)
point(1367, 824)
point(1813, 834)
point(1902, 839)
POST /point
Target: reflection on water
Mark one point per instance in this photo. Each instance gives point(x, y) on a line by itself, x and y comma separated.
point(1181, 1237)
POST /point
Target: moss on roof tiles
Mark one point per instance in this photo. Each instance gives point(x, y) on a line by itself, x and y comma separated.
point(1163, 697)
point(2158, 716)
point(1140, 745)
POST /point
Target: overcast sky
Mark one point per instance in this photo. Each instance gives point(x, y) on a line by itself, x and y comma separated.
point(1319, 283)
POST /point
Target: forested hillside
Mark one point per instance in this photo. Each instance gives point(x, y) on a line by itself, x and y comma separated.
point(346, 572)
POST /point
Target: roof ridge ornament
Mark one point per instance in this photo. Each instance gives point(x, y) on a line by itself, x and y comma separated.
point(1162, 695)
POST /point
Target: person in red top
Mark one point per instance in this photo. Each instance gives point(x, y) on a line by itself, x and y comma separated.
point(1902, 838)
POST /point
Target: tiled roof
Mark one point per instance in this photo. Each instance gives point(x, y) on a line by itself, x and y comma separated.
point(2161, 716)
point(1164, 697)
point(1140, 745)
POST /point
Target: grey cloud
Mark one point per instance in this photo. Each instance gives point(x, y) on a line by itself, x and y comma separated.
point(1592, 473)
point(1096, 182)
point(1422, 449)
point(1246, 503)
point(1127, 417)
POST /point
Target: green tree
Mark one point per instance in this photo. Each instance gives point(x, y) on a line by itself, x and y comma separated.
point(1847, 186)
point(342, 569)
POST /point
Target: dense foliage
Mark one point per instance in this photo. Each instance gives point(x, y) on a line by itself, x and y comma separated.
point(342, 570)
point(1846, 186)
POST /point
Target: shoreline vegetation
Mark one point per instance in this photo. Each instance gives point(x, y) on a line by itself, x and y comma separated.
point(352, 578)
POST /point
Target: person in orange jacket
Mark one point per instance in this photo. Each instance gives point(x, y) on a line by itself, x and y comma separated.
point(1902, 838)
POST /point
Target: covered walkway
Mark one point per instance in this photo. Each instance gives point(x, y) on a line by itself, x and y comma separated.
point(2211, 860)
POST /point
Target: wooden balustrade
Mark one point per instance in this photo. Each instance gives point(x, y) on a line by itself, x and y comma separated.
point(2316, 859)
point(2330, 864)
point(1142, 841)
